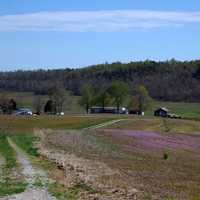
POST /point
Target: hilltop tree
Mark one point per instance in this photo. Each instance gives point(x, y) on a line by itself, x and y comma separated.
point(119, 92)
point(87, 97)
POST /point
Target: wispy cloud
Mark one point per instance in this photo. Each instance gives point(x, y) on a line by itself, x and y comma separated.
point(97, 21)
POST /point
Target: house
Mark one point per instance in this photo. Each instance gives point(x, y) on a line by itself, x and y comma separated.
point(161, 112)
point(108, 110)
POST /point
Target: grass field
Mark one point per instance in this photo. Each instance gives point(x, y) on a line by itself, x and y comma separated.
point(22, 124)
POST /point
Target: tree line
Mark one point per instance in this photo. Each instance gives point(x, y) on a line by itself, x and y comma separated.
point(168, 81)
point(118, 94)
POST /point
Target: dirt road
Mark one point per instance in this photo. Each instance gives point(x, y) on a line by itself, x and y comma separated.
point(31, 175)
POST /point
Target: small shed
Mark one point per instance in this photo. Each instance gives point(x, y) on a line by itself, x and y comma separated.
point(161, 112)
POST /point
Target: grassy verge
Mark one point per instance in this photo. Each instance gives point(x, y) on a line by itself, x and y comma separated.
point(9, 187)
point(7, 152)
point(72, 193)
point(26, 142)
point(8, 183)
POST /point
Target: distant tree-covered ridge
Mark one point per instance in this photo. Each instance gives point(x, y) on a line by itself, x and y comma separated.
point(170, 80)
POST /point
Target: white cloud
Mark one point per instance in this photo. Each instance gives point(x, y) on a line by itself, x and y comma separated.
point(97, 21)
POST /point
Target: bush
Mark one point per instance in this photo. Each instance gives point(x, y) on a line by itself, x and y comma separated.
point(165, 156)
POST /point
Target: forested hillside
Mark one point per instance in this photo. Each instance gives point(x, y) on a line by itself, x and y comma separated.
point(171, 80)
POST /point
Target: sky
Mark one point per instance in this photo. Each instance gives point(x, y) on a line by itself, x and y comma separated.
point(49, 34)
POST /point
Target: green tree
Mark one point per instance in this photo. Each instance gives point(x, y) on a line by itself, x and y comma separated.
point(143, 97)
point(119, 92)
point(103, 98)
point(87, 97)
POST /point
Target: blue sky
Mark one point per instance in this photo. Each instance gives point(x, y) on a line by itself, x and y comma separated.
point(75, 33)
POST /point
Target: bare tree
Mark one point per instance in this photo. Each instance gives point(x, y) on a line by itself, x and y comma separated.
point(60, 98)
point(38, 104)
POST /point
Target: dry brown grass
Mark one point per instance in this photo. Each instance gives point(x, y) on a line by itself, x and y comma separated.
point(74, 153)
point(159, 125)
point(95, 154)
point(20, 124)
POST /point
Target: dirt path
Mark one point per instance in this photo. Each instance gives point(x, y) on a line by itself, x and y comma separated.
point(104, 124)
point(31, 175)
point(2, 161)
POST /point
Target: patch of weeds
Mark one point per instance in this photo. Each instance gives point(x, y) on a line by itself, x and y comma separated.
point(147, 196)
point(166, 126)
point(9, 187)
point(43, 163)
point(59, 191)
point(26, 142)
point(83, 186)
point(62, 193)
point(165, 156)
point(39, 183)
point(102, 146)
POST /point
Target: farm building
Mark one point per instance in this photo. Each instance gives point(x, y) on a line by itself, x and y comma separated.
point(161, 112)
point(109, 110)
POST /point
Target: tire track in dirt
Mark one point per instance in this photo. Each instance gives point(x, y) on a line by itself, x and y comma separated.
point(31, 175)
point(2, 162)
point(104, 124)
